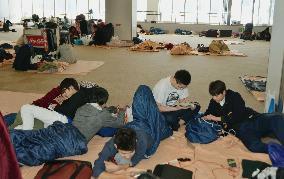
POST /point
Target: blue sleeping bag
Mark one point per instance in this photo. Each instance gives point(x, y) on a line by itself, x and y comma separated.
point(34, 147)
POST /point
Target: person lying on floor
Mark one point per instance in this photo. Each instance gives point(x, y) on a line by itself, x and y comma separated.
point(61, 140)
point(168, 92)
point(228, 107)
point(93, 116)
point(64, 112)
point(138, 140)
point(50, 100)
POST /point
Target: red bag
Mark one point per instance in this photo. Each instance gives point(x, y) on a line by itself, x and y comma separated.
point(65, 169)
point(9, 167)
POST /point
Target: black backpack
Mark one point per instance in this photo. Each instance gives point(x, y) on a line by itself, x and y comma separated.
point(104, 34)
point(23, 58)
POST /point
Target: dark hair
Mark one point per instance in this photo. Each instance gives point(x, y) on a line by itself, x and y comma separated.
point(216, 87)
point(97, 95)
point(68, 82)
point(182, 77)
point(125, 139)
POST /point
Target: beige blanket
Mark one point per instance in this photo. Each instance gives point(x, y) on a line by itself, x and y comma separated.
point(207, 160)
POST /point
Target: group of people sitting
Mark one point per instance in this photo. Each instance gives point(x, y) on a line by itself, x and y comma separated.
point(153, 116)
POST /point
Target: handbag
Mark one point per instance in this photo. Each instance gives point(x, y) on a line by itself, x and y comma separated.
point(201, 131)
point(65, 169)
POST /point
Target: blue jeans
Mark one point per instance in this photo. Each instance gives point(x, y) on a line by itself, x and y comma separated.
point(251, 132)
point(148, 118)
point(173, 117)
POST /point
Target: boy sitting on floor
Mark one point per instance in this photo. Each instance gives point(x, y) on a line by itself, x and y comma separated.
point(228, 107)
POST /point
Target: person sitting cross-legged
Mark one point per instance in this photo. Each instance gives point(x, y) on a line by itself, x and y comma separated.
point(228, 107)
point(170, 91)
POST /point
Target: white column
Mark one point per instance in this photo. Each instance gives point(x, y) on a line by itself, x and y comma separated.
point(276, 54)
point(122, 14)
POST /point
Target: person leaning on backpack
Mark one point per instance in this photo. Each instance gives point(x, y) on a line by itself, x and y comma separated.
point(228, 107)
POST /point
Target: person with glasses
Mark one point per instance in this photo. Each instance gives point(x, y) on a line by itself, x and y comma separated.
point(170, 93)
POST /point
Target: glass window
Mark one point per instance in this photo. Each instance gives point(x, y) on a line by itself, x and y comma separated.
point(38, 7)
point(82, 7)
point(264, 11)
point(191, 11)
point(15, 10)
point(203, 11)
point(141, 6)
point(247, 7)
point(27, 8)
point(236, 10)
point(271, 13)
point(71, 10)
point(178, 11)
point(165, 8)
point(218, 12)
point(102, 9)
point(60, 8)
point(4, 12)
point(98, 7)
point(48, 8)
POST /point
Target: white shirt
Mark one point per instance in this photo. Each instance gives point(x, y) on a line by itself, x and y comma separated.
point(96, 105)
point(222, 102)
point(165, 94)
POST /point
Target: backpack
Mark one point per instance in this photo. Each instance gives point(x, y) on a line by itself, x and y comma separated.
point(103, 34)
point(23, 58)
point(200, 131)
point(211, 33)
point(65, 169)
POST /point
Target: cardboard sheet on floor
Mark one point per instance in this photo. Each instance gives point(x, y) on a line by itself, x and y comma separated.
point(233, 42)
point(234, 53)
point(12, 101)
point(143, 50)
point(259, 96)
point(207, 160)
point(82, 67)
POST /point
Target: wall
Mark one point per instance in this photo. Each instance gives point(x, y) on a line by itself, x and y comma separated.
point(276, 54)
point(171, 27)
point(120, 14)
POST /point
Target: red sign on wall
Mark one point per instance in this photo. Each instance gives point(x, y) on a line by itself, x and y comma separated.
point(37, 40)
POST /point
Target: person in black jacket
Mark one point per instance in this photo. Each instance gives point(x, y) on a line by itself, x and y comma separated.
point(228, 108)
